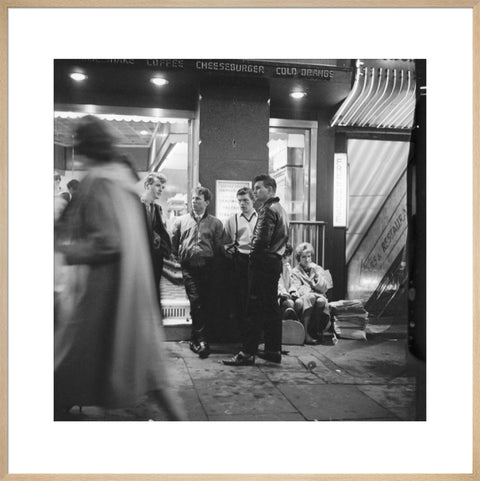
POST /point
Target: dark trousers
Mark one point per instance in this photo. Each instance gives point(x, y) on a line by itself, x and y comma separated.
point(157, 262)
point(240, 289)
point(198, 282)
point(263, 311)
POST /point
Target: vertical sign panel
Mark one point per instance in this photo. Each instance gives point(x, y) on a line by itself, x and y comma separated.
point(340, 191)
point(226, 197)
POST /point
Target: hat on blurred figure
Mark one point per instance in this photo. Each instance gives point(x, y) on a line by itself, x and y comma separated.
point(94, 139)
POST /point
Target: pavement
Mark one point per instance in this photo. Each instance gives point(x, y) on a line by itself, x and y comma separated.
point(354, 380)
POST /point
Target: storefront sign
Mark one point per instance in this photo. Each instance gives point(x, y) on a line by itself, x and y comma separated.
point(317, 73)
point(229, 66)
point(340, 191)
point(166, 64)
point(390, 242)
point(226, 203)
point(249, 68)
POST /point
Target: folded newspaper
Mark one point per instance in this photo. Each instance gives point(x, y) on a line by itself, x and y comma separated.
point(350, 319)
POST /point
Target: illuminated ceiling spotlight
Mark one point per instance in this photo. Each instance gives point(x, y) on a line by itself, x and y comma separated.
point(298, 94)
point(78, 76)
point(144, 132)
point(159, 81)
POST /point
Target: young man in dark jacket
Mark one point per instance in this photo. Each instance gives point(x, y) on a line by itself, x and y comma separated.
point(197, 238)
point(265, 265)
point(160, 243)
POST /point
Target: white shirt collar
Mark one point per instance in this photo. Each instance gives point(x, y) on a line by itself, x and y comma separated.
point(254, 213)
point(199, 216)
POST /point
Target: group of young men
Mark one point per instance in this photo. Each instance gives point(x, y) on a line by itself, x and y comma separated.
point(255, 241)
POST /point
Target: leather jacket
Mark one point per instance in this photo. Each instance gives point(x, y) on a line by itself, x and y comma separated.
point(271, 232)
point(197, 242)
point(160, 242)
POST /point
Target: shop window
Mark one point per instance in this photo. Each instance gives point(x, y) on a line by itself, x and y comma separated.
point(175, 169)
point(292, 163)
point(151, 142)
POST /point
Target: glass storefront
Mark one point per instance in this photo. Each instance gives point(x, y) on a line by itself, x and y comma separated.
point(153, 139)
point(292, 163)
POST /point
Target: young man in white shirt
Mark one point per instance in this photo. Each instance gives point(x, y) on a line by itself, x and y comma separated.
point(265, 265)
point(239, 232)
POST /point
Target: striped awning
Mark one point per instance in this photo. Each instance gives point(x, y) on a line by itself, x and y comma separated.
point(376, 166)
point(381, 98)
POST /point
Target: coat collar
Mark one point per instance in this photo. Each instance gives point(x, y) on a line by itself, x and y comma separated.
point(271, 201)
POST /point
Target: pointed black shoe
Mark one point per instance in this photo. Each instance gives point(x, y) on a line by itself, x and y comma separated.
point(203, 350)
point(240, 359)
point(194, 347)
point(272, 356)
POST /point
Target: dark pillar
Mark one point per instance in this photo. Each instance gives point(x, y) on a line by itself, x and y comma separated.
point(334, 236)
point(60, 161)
point(234, 121)
point(417, 246)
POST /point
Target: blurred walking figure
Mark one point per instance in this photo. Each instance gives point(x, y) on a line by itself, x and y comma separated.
point(160, 243)
point(108, 337)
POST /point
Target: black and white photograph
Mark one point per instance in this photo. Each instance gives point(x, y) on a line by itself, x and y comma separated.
point(259, 260)
point(239, 239)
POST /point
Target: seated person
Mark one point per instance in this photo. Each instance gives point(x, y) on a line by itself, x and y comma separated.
point(308, 285)
point(284, 297)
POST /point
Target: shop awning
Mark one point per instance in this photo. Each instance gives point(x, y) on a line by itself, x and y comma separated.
point(130, 130)
point(381, 98)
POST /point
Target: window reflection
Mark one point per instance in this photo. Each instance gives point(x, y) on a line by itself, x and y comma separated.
point(288, 165)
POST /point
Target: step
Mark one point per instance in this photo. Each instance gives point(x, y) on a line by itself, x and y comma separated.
point(177, 329)
point(175, 308)
point(176, 320)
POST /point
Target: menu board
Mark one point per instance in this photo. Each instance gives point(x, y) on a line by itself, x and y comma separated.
point(226, 203)
point(340, 191)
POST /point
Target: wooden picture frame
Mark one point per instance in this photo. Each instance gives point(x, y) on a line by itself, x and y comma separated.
point(474, 5)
